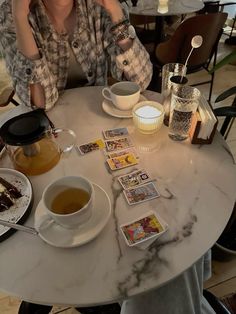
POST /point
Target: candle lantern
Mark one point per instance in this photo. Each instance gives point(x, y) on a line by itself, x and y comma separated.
point(148, 116)
point(162, 6)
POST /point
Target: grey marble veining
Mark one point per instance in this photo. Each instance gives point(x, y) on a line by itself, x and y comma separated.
point(197, 188)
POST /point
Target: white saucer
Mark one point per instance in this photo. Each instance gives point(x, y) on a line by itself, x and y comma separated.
point(56, 235)
point(110, 109)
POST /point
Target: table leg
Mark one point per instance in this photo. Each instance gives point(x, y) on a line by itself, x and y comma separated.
point(159, 29)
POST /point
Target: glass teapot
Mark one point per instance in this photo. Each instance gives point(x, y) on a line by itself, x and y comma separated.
point(33, 146)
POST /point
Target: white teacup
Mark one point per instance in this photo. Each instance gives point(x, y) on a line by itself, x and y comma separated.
point(69, 200)
point(124, 95)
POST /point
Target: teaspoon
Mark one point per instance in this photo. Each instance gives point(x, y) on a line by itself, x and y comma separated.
point(18, 227)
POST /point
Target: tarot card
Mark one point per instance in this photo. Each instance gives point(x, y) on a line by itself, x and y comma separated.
point(118, 132)
point(141, 193)
point(121, 162)
point(134, 178)
point(142, 229)
point(92, 146)
point(130, 150)
point(117, 144)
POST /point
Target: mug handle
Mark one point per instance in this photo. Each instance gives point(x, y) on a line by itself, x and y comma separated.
point(104, 93)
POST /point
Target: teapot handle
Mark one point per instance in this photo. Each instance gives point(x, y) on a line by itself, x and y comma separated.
point(65, 138)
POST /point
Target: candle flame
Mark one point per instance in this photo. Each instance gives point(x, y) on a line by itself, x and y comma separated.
point(148, 112)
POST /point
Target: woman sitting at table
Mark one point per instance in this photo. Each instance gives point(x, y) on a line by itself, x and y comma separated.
point(50, 45)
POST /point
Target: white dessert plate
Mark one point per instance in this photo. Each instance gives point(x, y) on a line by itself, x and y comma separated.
point(18, 212)
point(110, 109)
point(58, 236)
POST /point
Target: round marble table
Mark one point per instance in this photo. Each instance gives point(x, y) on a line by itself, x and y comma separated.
point(197, 187)
point(162, 8)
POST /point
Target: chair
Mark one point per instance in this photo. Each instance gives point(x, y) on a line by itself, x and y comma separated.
point(6, 97)
point(142, 25)
point(6, 90)
point(177, 48)
point(210, 7)
point(229, 112)
point(216, 6)
point(215, 303)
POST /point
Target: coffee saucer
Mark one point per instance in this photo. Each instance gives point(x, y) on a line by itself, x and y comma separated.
point(110, 109)
point(58, 236)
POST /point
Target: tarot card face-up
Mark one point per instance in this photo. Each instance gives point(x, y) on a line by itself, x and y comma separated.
point(112, 133)
point(118, 144)
point(142, 229)
point(91, 146)
point(134, 178)
point(142, 193)
point(122, 161)
point(130, 150)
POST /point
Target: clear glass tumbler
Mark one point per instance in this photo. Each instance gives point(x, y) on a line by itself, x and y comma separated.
point(184, 103)
point(169, 70)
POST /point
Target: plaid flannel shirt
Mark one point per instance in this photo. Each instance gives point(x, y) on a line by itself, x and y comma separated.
point(92, 43)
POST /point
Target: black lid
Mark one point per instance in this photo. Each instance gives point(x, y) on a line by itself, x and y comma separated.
point(25, 129)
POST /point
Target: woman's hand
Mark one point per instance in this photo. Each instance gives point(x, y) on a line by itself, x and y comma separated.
point(114, 9)
point(20, 8)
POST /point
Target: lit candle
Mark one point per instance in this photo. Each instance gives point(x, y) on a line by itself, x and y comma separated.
point(148, 116)
point(163, 6)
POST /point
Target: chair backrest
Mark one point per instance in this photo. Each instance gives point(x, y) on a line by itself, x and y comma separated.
point(229, 114)
point(177, 48)
point(145, 20)
point(210, 7)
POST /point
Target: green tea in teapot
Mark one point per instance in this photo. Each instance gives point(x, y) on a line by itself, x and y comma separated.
point(42, 160)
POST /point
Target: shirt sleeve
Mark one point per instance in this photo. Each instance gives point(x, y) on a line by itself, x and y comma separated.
point(133, 64)
point(24, 71)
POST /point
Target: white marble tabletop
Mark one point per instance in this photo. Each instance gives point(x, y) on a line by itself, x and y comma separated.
point(197, 187)
point(170, 7)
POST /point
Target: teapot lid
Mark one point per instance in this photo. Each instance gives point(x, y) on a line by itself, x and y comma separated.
point(25, 129)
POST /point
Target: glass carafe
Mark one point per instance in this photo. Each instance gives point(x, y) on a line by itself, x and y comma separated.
point(33, 146)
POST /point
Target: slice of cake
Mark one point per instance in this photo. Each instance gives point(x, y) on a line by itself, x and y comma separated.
point(8, 194)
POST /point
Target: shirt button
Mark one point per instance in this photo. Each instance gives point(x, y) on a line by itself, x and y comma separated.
point(75, 44)
point(28, 71)
point(125, 62)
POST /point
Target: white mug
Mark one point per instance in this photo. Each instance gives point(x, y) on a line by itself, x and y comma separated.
point(124, 95)
point(78, 217)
